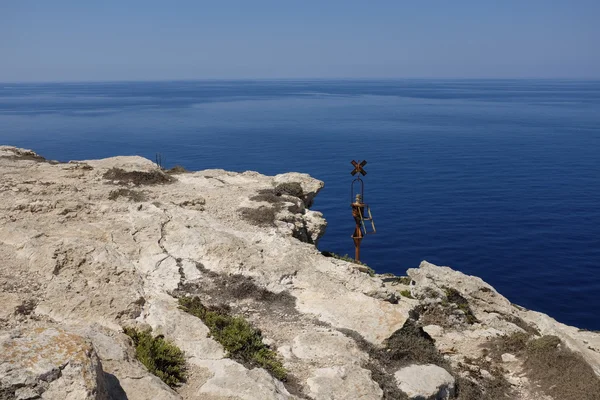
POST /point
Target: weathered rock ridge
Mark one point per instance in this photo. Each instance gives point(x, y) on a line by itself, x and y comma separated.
point(88, 248)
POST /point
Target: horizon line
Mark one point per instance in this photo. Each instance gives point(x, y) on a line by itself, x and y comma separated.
point(75, 81)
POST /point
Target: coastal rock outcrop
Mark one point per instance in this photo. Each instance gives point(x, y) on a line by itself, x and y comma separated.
point(90, 250)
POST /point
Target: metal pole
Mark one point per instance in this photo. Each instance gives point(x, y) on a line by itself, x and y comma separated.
point(357, 211)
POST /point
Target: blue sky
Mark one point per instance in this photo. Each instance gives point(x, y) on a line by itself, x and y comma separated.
point(145, 40)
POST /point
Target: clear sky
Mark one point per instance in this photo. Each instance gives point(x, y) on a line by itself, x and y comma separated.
point(58, 40)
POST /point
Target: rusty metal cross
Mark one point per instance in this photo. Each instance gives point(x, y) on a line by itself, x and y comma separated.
point(358, 167)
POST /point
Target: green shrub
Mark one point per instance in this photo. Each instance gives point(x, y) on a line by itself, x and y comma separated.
point(241, 341)
point(406, 293)
point(160, 357)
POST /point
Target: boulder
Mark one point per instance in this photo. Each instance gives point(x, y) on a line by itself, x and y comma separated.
point(50, 363)
point(425, 382)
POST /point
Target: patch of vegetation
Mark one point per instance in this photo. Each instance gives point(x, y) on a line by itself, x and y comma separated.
point(478, 387)
point(261, 216)
point(408, 345)
point(155, 177)
point(268, 196)
point(160, 357)
point(513, 343)
point(266, 215)
point(28, 155)
point(558, 371)
point(274, 197)
point(523, 325)
point(412, 345)
point(451, 309)
point(26, 307)
point(403, 280)
point(242, 342)
point(238, 287)
point(453, 296)
point(289, 188)
point(133, 195)
point(548, 363)
point(406, 293)
point(178, 169)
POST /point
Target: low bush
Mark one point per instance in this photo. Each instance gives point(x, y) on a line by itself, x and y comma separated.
point(406, 293)
point(159, 356)
point(289, 188)
point(241, 341)
point(137, 177)
point(453, 296)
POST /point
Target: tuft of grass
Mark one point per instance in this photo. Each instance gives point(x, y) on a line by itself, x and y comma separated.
point(406, 293)
point(161, 358)
point(241, 341)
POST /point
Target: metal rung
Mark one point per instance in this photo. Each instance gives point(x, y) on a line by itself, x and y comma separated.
point(363, 219)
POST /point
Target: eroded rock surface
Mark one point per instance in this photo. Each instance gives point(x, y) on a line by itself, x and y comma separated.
point(49, 363)
point(91, 247)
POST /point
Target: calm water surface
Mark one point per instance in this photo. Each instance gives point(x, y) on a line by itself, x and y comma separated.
point(499, 179)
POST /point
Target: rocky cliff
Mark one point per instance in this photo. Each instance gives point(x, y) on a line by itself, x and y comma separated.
point(93, 250)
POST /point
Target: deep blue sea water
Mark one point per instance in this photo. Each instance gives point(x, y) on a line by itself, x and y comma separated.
point(496, 178)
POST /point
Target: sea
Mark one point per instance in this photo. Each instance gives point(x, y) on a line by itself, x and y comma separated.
point(494, 178)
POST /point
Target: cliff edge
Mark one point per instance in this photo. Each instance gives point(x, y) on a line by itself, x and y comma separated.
point(91, 251)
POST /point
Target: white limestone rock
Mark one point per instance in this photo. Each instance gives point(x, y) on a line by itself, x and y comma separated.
point(425, 382)
point(508, 358)
point(343, 383)
point(50, 363)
